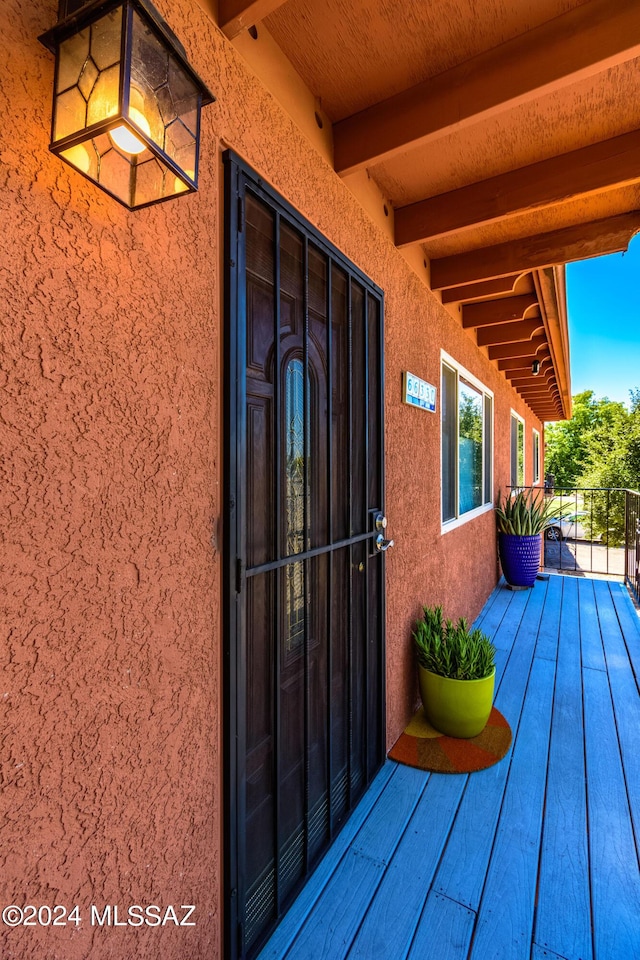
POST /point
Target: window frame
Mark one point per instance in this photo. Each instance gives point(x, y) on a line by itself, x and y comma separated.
point(515, 482)
point(461, 373)
point(535, 476)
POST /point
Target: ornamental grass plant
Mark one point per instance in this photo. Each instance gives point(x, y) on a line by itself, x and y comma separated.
point(452, 650)
point(527, 513)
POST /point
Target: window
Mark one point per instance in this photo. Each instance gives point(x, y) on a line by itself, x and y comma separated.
point(517, 450)
point(467, 436)
point(536, 457)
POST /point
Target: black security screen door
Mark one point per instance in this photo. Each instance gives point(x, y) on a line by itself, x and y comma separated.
point(305, 579)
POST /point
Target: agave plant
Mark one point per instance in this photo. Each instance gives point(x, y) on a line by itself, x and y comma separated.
point(527, 513)
point(452, 650)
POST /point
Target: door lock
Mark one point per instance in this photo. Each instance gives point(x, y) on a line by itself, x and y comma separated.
point(381, 525)
point(383, 544)
point(380, 522)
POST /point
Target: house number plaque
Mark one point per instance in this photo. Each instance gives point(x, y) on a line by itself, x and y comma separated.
point(418, 393)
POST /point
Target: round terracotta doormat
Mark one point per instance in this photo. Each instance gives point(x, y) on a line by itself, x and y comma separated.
point(422, 746)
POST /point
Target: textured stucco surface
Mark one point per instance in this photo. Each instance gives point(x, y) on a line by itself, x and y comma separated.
point(110, 390)
point(109, 625)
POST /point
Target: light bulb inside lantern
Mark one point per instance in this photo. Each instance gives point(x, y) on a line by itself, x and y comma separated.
point(125, 139)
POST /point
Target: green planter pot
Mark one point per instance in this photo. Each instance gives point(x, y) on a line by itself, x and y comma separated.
point(457, 708)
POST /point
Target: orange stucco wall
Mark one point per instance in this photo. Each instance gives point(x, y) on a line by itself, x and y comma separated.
point(110, 389)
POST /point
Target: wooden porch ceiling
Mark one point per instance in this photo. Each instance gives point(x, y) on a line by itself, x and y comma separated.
point(506, 137)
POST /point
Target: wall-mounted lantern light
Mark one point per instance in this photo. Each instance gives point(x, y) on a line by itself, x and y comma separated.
point(126, 103)
point(535, 368)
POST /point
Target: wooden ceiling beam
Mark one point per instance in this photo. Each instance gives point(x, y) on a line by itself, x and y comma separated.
point(519, 348)
point(543, 388)
point(537, 395)
point(508, 332)
point(547, 396)
point(513, 363)
point(479, 291)
point(488, 312)
point(234, 16)
point(550, 285)
point(579, 242)
point(548, 402)
point(524, 375)
point(580, 43)
point(521, 368)
point(608, 163)
point(544, 410)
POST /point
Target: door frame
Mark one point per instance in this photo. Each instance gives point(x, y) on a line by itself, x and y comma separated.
point(237, 176)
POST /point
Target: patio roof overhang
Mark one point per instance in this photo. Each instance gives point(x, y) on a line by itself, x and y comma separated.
point(507, 145)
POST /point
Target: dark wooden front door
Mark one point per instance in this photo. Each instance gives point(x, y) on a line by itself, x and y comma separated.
point(305, 580)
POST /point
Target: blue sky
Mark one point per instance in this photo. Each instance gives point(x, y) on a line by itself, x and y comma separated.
point(603, 299)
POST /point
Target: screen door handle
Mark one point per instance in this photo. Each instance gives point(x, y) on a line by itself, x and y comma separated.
point(383, 544)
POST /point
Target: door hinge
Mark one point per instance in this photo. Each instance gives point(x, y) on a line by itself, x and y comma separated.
point(241, 938)
point(239, 574)
point(240, 215)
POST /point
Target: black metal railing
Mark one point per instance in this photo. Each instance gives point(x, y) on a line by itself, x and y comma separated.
point(596, 530)
point(632, 542)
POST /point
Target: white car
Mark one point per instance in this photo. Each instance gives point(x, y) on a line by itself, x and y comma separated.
point(571, 527)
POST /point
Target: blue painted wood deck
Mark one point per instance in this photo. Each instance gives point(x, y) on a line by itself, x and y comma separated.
point(536, 857)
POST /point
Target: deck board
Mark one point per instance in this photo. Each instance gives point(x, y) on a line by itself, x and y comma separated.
point(445, 931)
point(590, 638)
point(286, 932)
point(564, 925)
point(630, 626)
point(334, 920)
point(391, 920)
point(505, 917)
point(626, 703)
point(462, 870)
point(549, 631)
point(490, 617)
point(505, 632)
point(615, 880)
point(534, 858)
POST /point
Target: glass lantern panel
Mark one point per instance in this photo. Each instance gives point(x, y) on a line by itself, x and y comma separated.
point(178, 137)
point(143, 111)
point(179, 186)
point(149, 71)
point(115, 174)
point(72, 56)
point(184, 92)
point(84, 158)
point(149, 56)
point(181, 147)
point(104, 101)
point(87, 79)
point(106, 39)
point(190, 119)
point(70, 114)
point(150, 179)
point(166, 106)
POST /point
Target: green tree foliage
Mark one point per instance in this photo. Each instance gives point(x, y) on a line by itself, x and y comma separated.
point(470, 450)
point(598, 448)
point(613, 462)
point(568, 445)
